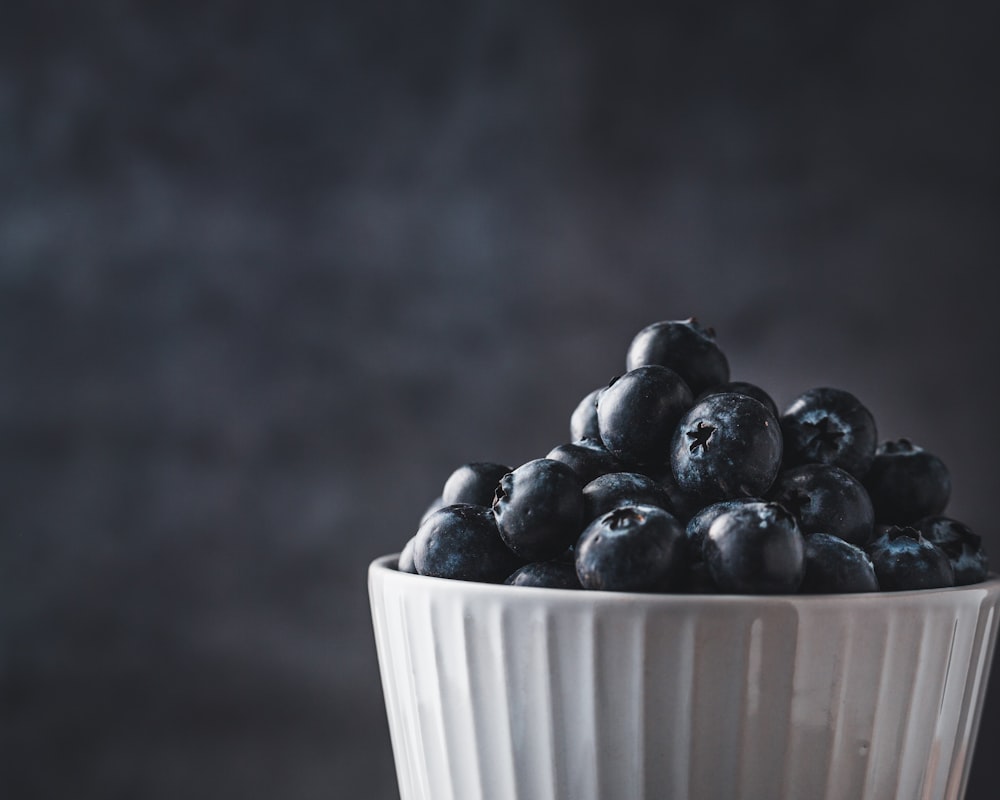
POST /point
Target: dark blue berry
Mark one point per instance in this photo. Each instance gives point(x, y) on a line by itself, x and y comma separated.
point(683, 346)
point(742, 387)
point(632, 549)
point(546, 574)
point(727, 446)
point(826, 499)
point(829, 426)
point(462, 542)
point(607, 492)
point(755, 548)
point(539, 509)
point(836, 566)
point(963, 547)
point(588, 458)
point(583, 422)
point(638, 413)
point(658, 491)
point(904, 559)
point(473, 483)
point(906, 483)
point(698, 525)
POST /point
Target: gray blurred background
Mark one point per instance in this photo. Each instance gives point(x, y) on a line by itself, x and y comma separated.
point(269, 272)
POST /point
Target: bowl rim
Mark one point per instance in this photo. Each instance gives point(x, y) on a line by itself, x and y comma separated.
point(384, 567)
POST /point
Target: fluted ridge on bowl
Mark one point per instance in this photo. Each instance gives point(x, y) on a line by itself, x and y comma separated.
point(495, 693)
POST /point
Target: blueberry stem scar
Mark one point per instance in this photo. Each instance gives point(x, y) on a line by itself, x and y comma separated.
point(700, 436)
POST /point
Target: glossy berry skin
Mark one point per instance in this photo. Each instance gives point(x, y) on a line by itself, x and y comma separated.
point(473, 483)
point(697, 527)
point(539, 509)
point(825, 499)
point(546, 574)
point(638, 412)
point(829, 426)
point(963, 547)
point(405, 561)
point(588, 458)
point(756, 548)
point(727, 446)
point(583, 422)
point(834, 566)
point(742, 387)
point(906, 483)
point(632, 549)
point(904, 559)
point(462, 542)
point(683, 346)
point(607, 492)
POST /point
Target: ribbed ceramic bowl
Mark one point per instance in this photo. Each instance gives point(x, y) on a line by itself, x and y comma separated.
point(514, 693)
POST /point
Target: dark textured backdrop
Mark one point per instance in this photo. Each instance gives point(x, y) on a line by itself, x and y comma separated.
point(267, 274)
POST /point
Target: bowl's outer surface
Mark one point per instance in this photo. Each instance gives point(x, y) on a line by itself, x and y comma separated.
point(504, 693)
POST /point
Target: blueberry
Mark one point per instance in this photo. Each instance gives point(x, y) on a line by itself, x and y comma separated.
point(588, 458)
point(742, 387)
point(836, 566)
point(405, 561)
point(699, 524)
point(547, 574)
point(829, 426)
point(685, 347)
point(462, 542)
point(755, 548)
point(638, 412)
point(906, 483)
point(963, 547)
point(826, 499)
point(583, 422)
point(659, 487)
point(727, 446)
point(904, 559)
point(473, 483)
point(539, 509)
point(632, 549)
point(615, 489)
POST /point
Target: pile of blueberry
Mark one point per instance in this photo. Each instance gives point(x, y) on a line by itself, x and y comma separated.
point(678, 480)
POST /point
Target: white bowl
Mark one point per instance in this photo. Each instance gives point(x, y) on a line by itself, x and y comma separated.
point(516, 693)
